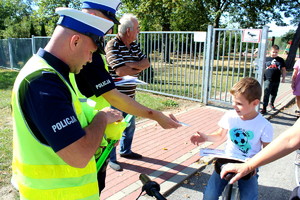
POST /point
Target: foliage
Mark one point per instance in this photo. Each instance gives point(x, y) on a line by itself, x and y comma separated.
point(196, 15)
point(21, 18)
point(254, 14)
point(288, 36)
point(45, 14)
point(290, 9)
point(14, 15)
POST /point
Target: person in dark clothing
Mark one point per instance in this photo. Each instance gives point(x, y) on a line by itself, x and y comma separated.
point(275, 67)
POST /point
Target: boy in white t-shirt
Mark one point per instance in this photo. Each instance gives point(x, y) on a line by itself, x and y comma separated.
point(247, 131)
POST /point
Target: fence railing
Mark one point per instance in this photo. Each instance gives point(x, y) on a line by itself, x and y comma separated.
point(176, 61)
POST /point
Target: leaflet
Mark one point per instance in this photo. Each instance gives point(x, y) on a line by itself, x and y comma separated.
point(129, 80)
point(218, 153)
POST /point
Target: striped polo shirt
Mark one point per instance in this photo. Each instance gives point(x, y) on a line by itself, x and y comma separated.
point(117, 54)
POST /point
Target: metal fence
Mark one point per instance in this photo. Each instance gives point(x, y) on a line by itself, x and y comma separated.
point(176, 61)
point(182, 65)
point(230, 58)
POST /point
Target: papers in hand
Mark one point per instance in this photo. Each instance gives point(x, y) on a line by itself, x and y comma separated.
point(217, 153)
point(128, 80)
point(184, 124)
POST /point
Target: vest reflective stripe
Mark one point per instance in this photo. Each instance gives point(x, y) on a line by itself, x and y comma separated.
point(61, 193)
point(53, 171)
point(39, 172)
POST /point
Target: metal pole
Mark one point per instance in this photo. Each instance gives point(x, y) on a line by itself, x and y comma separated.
point(33, 44)
point(10, 53)
point(262, 56)
point(207, 62)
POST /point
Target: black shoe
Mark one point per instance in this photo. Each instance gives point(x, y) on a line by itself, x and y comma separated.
point(272, 106)
point(132, 155)
point(115, 166)
point(263, 111)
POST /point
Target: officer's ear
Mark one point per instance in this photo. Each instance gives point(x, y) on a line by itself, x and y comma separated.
point(75, 39)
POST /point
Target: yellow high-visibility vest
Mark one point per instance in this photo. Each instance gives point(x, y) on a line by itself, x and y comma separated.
point(38, 171)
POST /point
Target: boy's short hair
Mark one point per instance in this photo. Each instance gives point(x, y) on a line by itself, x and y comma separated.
point(276, 47)
point(248, 87)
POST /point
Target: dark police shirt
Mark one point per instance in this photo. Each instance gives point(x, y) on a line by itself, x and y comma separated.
point(47, 106)
point(273, 68)
point(93, 78)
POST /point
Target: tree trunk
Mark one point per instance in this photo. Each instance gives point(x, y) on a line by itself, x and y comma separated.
point(290, 60)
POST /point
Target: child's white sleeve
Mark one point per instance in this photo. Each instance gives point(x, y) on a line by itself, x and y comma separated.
point(267, 134)
point(224, 121)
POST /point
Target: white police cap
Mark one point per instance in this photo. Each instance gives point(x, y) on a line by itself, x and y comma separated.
point(82, 22)
point(107, 7)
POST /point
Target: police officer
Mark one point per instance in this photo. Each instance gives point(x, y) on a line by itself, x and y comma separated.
point(54, 142)
point(95, 82)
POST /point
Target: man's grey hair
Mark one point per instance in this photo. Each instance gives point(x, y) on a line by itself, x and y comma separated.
point(126, 22)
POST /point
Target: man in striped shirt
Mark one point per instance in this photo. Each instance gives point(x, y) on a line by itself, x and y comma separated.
point(125, 57)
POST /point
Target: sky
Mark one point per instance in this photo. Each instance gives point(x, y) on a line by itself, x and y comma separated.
point(278, 31)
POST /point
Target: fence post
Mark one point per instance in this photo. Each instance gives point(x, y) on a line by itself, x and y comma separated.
point(207, 64)
point(33, 44)
point(10, 53)
point(262, 56)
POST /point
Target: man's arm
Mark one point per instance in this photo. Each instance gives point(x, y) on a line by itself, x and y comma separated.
point(264, 144)
point(132, 68)
point(283, 72)
point(118, 60)
point(80, 152)
point(129, 105)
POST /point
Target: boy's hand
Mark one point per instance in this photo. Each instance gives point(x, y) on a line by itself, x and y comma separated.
point(197, 138)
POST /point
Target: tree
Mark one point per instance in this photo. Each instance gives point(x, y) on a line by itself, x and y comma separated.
point(196, 15)
point(32, 30)
point(292, 9)
point(43, 29)
point(45, 14)
point(290, 60)
point(13, 14)
point(167, 15)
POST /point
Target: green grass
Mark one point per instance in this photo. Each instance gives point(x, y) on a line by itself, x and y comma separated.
point(7, 78)
point(156, 102)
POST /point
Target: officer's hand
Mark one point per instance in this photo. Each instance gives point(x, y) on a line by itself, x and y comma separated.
point(112, 115)
point(167, 121)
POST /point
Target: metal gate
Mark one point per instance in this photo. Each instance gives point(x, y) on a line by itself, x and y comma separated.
point(229, 58)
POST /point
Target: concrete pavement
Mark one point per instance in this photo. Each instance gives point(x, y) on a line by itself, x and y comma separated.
point(168, 156)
